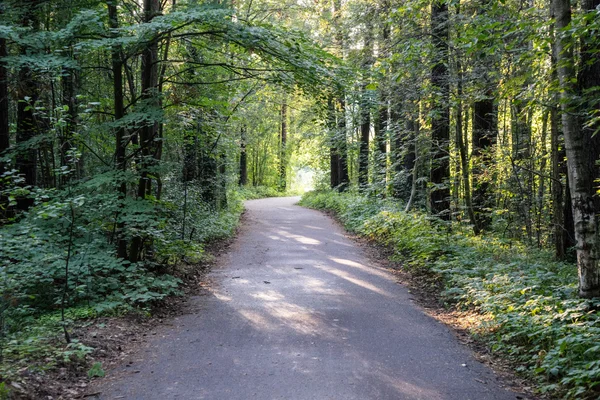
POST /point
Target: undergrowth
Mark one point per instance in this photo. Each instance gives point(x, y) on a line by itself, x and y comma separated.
point(37, 284)
point(533, 315)
point(261, 192)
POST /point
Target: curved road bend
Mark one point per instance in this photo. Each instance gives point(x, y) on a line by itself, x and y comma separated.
point(297, 313)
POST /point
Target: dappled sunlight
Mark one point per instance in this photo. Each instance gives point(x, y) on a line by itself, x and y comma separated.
point(314, 227)
point(273, 237)
point(317, 286)
point(268, 295)
point(305, 240)
point(300, 319)
point(353, 279)
point(370, 270)
point(298, 238)
point(257, 320)
point(273, 314)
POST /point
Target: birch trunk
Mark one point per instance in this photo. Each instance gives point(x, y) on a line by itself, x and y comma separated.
point(579, 160)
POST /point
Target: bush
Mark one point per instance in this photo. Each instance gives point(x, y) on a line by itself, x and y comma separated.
point(533, 314)
point(78, 226)
point(259, 192)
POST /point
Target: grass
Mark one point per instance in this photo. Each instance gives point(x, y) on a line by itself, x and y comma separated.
point(533, 316)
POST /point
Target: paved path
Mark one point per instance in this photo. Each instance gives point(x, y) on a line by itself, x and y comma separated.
point(297, 313)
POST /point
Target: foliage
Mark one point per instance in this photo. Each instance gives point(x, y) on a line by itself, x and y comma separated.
point(259, 192)
point(34, 251)
point(533, 314)
point(96, 371)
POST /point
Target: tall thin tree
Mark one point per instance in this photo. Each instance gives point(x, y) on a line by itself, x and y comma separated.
point(440, 120)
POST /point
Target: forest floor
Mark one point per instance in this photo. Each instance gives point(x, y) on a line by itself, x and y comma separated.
point(297, 310)
point(116, 340)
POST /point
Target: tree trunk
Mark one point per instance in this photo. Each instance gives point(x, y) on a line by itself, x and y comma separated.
point(411, 161)
point(542, 178)
point(395, 129)
point(485, 132)
point(69, 100)
point(485, 129)
point(521, 160)
point(463, 155)
point(588, 80)
point(119, 111)
point(568, 224)
point(342, 146)
point(365, 105)
point(334, 156)
point(243, 181)
point(341, 135)
point(283, 148)
point(27, 95)
point(149, 131)
point(149, 85)
point(380, 125)
point(4, 126)
point(363, 149)
point(557, 188)
point(580, 160)
point(190, 157)
point(440, 121)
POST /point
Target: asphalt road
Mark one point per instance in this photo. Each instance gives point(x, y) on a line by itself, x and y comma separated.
point(298, 313)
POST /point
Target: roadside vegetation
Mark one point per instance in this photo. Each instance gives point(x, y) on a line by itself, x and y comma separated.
point(531, 313)
point(63, 272)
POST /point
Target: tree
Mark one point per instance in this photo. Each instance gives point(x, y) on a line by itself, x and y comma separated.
point(4, 110)
point(440, 114)
point(581, 158)
point(283, 147)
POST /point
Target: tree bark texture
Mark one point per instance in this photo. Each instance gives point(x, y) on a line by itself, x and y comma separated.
point(149, 130)
point(463, 155)
point(580, 160)
point(381, 123)
point(243, 181)
point(27, 94)
point(440, 121)
point(342, 145)
point(485, 132)
point(149, 96)
point(4, 123)
point(334, 156)
point(119, 111)
point(4, 126)
point(283, 147)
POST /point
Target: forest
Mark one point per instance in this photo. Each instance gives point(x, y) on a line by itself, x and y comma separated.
point(131, 131)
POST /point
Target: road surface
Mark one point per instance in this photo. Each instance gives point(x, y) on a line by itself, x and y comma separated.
point(297, 312)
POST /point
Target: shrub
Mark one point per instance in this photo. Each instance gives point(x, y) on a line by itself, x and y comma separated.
point(78, 225)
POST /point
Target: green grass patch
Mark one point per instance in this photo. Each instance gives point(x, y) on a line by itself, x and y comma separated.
point(535, 318)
